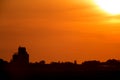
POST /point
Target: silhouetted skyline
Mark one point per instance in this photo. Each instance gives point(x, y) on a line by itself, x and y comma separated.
point(21, 69)
point(22, 57)
point(62, 38)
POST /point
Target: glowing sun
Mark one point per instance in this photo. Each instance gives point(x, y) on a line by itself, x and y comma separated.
point(109, 6)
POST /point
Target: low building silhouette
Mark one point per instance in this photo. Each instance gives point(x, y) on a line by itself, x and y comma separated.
point(21, 57)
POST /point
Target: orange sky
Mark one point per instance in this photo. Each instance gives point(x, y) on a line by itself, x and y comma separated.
point(58, 30)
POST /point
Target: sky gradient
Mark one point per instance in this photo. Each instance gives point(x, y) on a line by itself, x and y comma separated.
point(58, 30)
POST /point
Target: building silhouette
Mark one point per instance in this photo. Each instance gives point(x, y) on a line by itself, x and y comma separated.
point(21, 57)
point(93, 70)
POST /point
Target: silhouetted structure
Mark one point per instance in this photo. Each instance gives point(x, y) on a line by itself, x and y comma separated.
point(75, 62)
point(21, 57)
point(88, 70)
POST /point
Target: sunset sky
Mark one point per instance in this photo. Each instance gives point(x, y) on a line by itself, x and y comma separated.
point(58, 30)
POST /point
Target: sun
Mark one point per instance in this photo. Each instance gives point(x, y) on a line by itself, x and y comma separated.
point(109, 6)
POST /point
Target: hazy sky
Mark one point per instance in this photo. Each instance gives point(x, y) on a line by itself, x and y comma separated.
point(58, 30)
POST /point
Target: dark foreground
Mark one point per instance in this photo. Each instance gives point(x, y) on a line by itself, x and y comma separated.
point(59, 72)
point(19, 68)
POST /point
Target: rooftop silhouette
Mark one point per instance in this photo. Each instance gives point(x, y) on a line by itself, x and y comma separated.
point(19, 68)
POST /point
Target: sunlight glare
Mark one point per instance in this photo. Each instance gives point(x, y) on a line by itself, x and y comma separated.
point(109, 6)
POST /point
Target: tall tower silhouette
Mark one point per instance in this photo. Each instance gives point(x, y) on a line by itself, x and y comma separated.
point(21, 57)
